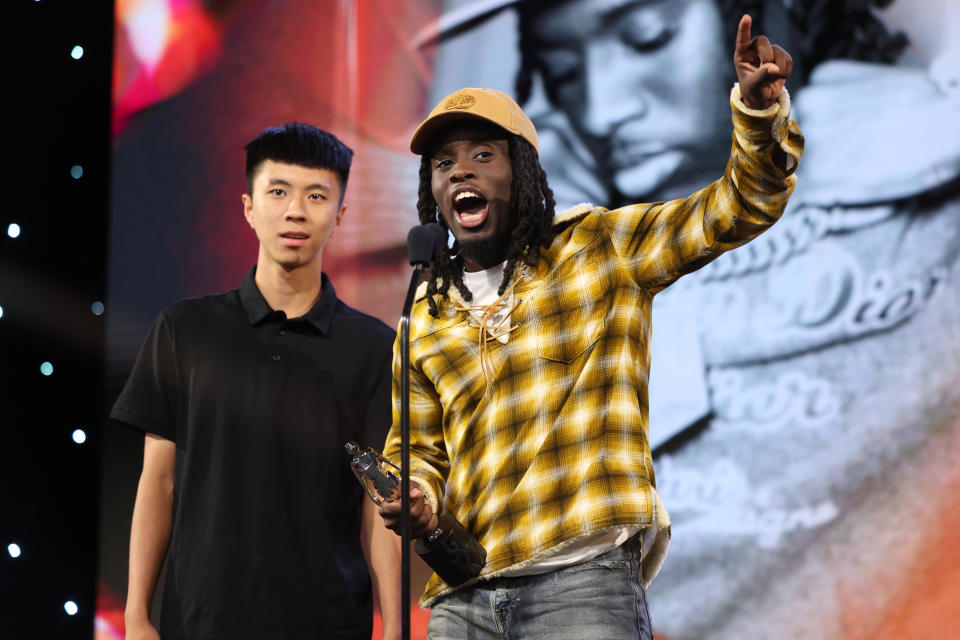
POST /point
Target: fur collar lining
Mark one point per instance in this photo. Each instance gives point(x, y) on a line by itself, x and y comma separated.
point(571, 214)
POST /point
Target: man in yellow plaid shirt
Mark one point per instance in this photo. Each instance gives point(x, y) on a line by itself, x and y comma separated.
point(529, 358)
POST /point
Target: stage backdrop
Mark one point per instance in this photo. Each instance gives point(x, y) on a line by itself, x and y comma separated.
point(805, 415)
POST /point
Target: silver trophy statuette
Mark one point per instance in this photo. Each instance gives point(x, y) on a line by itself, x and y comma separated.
point(379, 476)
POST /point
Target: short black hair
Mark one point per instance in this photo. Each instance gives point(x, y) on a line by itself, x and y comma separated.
point(300, 144)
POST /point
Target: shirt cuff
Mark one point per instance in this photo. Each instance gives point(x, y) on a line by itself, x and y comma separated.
point(428, 492)
point(778, 113)
point(756, 128)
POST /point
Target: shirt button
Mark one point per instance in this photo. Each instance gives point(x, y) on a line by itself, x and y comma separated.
point(282, 331)
point(276, 357)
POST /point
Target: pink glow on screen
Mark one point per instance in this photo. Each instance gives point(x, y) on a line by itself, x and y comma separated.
point(160, 47)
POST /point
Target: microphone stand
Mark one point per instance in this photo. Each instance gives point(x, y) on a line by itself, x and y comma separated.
point(405, 449)
point(421, 243)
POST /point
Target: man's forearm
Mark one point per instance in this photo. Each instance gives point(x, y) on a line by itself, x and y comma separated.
point(383, 556)
point(150, 529)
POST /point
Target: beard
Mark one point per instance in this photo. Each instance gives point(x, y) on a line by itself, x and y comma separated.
point(491, 251)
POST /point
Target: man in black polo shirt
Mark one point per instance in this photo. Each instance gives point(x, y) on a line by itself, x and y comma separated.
point(246, 399)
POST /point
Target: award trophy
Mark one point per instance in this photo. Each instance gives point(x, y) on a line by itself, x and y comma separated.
point(451, 550)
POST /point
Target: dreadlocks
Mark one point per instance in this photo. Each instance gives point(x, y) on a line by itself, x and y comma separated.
point(530, 197)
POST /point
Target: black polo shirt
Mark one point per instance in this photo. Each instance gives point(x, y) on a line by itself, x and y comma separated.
point(266, 513)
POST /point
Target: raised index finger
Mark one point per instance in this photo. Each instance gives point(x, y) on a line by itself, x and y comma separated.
point(743, 32)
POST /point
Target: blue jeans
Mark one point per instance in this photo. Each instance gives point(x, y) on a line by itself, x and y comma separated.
point(599, 599)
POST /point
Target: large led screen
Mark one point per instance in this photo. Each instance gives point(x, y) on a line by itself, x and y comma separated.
point(805, 411)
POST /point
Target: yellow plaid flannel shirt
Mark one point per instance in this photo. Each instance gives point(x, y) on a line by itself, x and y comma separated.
point(558, 448)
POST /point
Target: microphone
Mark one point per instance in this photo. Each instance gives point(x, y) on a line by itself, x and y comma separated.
point(439, 238)
point(420, 244)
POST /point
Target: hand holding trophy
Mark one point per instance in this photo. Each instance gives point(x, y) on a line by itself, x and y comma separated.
point(450, 549)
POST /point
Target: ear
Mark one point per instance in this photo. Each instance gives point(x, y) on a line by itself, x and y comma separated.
point(248, 209)
point(336, 223)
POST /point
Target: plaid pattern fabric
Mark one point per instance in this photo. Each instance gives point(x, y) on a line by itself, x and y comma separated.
point(557, 448)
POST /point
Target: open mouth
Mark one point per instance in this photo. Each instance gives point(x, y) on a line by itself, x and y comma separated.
point(470, 207)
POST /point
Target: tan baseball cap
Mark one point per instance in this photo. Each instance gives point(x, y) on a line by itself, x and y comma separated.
point(481, 104)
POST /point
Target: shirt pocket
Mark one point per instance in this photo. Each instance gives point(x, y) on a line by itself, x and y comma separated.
point(564, 339)
point(569, 314)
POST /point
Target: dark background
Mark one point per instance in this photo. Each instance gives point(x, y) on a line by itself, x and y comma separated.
point(58, 116)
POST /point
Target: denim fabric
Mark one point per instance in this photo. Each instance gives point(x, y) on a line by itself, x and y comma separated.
point(601, 599)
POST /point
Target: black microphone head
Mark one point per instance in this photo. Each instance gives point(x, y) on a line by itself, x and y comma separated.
point(439, 237)
point(420, 245)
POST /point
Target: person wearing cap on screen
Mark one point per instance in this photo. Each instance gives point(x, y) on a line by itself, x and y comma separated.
point(529, 358)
